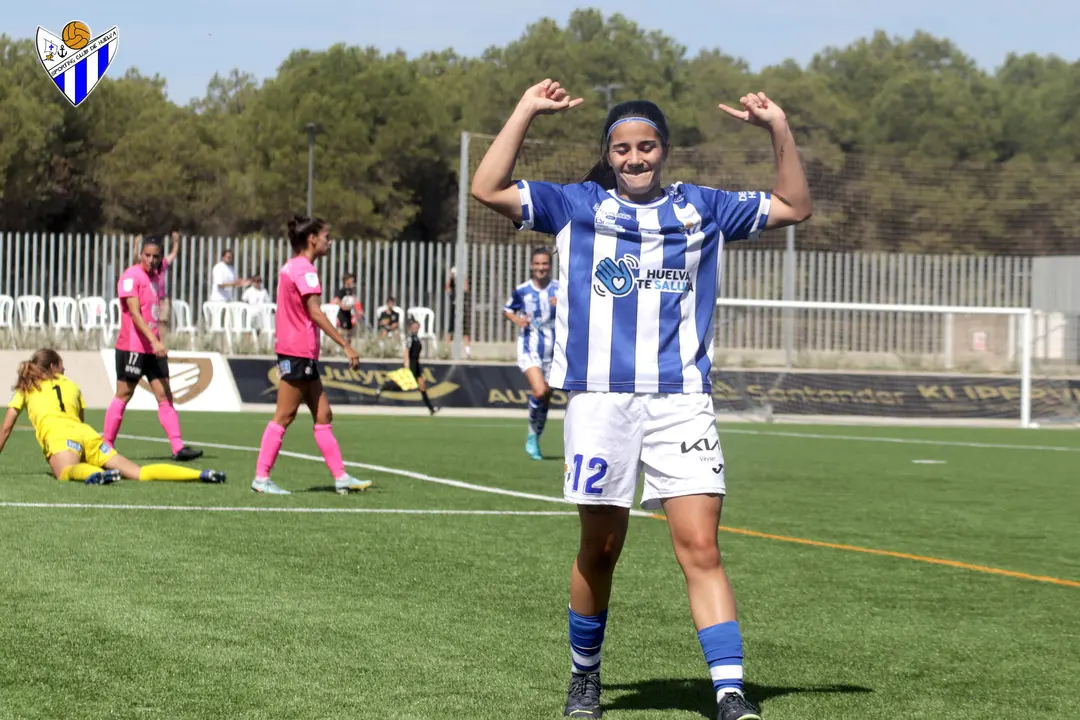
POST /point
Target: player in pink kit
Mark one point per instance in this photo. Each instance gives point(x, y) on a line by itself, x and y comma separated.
point(299, 319)
point(140, 352)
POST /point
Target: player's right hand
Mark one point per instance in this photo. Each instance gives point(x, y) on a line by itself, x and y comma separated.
point(353, 358)
point(547, 98)
point(160, 350)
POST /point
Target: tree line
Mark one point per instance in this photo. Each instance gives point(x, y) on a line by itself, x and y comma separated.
point(908, 143)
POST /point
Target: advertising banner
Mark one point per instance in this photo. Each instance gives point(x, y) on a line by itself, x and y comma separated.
point(199, 381)
point(794, 393)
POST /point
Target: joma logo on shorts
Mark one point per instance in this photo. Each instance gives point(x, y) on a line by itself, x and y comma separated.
point(702, 445)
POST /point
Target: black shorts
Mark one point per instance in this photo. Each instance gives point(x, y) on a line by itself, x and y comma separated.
point(133, 366)
point(295, 368)
point(345, 319)
point(417, 370)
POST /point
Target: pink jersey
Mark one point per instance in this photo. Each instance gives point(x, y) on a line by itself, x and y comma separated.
point(297, 335)
point(158, 279)
point(137, 284)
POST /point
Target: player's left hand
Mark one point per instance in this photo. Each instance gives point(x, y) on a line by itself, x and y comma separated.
point(758, 110)
point(353, 357)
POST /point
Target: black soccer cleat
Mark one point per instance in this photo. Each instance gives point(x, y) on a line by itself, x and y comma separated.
point(733, 706)
point(583, 697)
point(212, 476)
point(105, 477)
point(186, 453)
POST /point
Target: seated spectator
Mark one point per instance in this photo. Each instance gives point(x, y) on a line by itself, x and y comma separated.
point(388, 319)
point(256, 294)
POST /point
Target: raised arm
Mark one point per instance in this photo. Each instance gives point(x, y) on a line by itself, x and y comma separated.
point(174, 248)
point(791, 193)
point(493, 183)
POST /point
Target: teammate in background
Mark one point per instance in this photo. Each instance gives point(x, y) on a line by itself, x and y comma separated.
point(413, 348)
point(639, 268)
point(349, 309)
point(299, 319)
point(157, 279)
point(72, 448)
point(532, 308)
point(140, 352)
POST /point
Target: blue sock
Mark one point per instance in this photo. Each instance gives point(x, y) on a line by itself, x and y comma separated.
point(722, 645)
point(586, 638)
point(534, 414)
point(541, 416)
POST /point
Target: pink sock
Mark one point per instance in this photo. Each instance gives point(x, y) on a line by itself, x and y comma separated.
point(324, 438)
point(113, 417)
point(269, 449)
point(170, 422)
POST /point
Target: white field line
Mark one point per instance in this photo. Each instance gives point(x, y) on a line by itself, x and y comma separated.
point(389, 471)
point(328, 510)
point(901, 441)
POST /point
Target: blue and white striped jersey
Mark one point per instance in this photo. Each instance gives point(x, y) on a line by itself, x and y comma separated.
point(638, 283)
point(539, 305)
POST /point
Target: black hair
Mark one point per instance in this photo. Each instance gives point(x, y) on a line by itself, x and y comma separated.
point(301, 228)
point(154, 240)
point(602, 173)
point(540, 251)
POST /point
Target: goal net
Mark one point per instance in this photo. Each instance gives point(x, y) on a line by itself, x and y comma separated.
point(775, 360)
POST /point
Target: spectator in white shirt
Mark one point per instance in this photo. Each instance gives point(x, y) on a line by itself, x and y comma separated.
point(256, 294)
point(223, 279)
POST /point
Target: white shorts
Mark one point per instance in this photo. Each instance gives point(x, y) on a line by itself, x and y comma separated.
point(527, 359)
point(611, 437)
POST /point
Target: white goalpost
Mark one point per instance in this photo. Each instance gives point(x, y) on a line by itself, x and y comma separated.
point(875, 360)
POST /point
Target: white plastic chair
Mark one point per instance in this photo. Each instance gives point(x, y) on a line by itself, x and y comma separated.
point(94, 317)
point(241, 321)
point(115, 315)
point(7, 317)
point(330, 310)
point(267, 313)
point(215, 322)
point(30, 309)
point(181, 321)
point(63, 311)
point(426, 317)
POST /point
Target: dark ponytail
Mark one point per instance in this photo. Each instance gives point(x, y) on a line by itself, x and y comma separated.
point(301, 228)
point(602, 173)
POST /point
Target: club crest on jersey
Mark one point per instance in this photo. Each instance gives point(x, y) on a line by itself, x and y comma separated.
point(619, 278)
point(74, 60)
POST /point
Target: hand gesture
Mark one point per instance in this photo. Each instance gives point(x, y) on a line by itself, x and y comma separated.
point(757, 110)
point(353, 357)
point(547, 98)
point(159, 349)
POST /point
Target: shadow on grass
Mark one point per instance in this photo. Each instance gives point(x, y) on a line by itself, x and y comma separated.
point(697, 695)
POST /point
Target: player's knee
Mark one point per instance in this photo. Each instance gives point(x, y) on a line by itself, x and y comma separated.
point(598, 557)
point(697, 550)
point(541, 394)
point(284, 419)
point(325, 417)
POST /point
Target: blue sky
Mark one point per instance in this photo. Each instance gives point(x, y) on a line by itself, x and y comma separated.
point(186, 42)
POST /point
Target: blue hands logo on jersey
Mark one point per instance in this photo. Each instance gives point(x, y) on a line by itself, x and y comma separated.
point(617, 277)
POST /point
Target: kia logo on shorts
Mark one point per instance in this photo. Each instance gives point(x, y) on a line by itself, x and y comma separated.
point(702, 445)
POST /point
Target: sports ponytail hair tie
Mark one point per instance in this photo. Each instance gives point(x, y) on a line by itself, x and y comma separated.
point(634, 118)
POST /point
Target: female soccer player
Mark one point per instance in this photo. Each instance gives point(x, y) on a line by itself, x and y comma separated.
point(532, 308)
point(299, 319)
point(639, 266)
point(73, 449)
point(140, 352)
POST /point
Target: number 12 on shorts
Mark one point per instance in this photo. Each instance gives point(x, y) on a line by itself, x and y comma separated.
point(598, 466)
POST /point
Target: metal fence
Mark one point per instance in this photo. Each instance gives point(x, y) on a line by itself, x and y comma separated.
point(417, 274)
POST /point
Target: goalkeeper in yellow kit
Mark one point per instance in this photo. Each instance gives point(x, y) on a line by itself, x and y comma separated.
point(74, 450)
